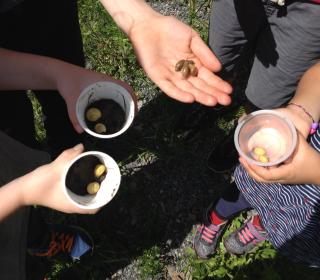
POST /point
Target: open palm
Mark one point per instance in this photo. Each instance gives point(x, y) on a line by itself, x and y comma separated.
point(162, 41)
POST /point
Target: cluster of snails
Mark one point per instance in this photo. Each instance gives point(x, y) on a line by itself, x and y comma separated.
point(187, 68)
point(93, 115)
point(85, 175)
point(100, 172)
point(260, 154)
point(105, 116)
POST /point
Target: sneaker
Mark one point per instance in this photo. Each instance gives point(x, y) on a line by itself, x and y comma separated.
point(224, 156)
point(244, 239)
point(66, 242)
point(207, 238)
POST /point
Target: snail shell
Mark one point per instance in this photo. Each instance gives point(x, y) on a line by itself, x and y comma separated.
point(100, 128)
point(179, 65)
point(93, 187)
point(93, 114)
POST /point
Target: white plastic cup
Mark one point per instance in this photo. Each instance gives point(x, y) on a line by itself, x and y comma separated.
point(106, 90)
point(108, 187)
point(269, 130)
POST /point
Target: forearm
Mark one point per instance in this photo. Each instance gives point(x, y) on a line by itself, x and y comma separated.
point(10, 198)
point(127, 12)
point(26, 71)
point(308, 96)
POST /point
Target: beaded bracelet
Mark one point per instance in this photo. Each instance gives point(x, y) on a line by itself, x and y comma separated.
point(314, 124)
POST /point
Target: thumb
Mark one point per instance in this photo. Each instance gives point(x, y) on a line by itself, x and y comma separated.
point(204, 54)
point(71, 153)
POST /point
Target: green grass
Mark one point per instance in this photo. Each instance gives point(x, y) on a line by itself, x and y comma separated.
point(150, 263)
point(132, 227)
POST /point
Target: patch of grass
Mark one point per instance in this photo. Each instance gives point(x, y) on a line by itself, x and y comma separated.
point(264, 263)
point(150, 264)
point(106, 47)
point(160, 136)
point(38, 117)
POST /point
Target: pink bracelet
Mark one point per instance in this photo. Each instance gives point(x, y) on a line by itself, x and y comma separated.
point(314, 124)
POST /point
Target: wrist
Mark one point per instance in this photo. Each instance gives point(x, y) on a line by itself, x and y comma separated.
point(127, 18)
point(302, 121)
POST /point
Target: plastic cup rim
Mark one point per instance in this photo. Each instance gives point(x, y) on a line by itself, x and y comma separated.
point(64, 176)
point(248, 117)
point(128, 120)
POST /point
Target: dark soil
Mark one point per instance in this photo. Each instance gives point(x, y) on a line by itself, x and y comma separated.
point(113, 116)
point(81, 173)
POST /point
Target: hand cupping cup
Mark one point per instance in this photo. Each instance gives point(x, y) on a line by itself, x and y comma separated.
point(105, 109)
point(91, 180)
point(265, 138)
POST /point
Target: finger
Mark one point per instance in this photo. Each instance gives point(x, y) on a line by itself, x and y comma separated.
point(251, 171)
point(74, 121)
point(214, 80)
point(206, 98)
point(71, 153)
point(199, 95)
point(87, 211)
point(175, 92)
point(204, 54)
point(221, 97)
point(270, 175)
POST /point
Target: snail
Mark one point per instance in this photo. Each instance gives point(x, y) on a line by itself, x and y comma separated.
point(93, 114)
point(179, 65)
point(263, 159)
point(93, 187)
point(99, 170)
point(187, 68)
point(258, 151)
point(100, 128)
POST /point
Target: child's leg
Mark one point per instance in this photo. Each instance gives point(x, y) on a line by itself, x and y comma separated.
point(247, 237)
point(230, 203)
point(51, 240)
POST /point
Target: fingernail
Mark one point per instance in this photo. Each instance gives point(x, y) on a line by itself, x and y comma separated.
point(78, 147)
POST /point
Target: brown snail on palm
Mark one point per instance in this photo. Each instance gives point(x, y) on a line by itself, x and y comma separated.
point(187, 68)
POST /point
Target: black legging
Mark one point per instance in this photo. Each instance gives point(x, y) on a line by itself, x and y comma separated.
point(231, 203)
point(39, 235)
point(49, 28)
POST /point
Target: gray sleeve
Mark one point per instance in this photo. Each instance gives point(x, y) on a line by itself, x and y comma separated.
point(15, 161)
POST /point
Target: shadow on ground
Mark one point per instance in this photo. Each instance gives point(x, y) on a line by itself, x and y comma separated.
point(165, 184)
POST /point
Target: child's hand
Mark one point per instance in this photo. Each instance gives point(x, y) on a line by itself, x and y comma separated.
point(301, 168)
point(299, 119)
point(73, 79)
point(160, 42)
point(43, 186)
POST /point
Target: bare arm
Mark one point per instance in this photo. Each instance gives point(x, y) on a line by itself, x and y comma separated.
point(42, 186)
point(126, 13)
point(308, 96)
point(21, 71)
point(303, 167)
point(160, 42)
